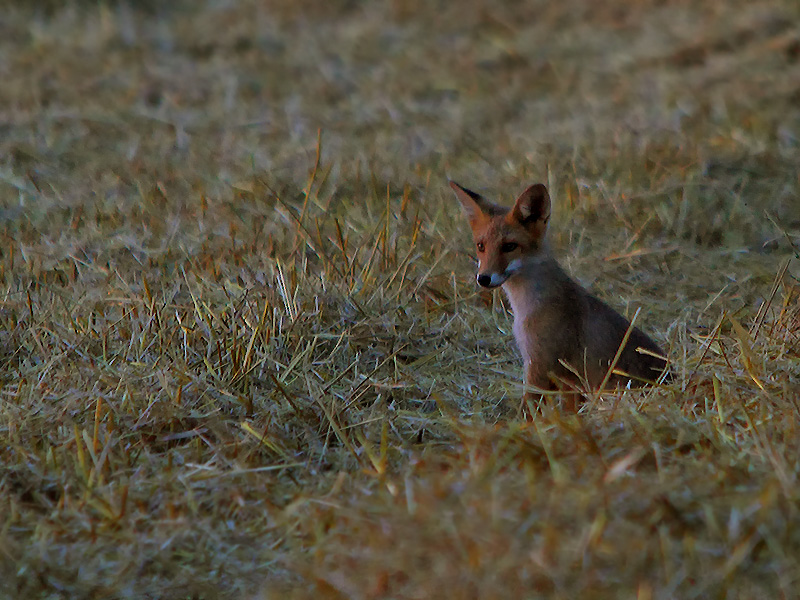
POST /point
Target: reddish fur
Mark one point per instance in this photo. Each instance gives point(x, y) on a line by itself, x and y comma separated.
point(555, 319)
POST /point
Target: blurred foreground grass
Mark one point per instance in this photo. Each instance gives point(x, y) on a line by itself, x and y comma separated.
point(242, 352)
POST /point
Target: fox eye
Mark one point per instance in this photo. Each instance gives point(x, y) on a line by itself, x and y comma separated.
point(481, 247)
point(508, 246)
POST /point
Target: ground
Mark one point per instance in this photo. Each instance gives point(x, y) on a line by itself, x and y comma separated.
point(243, 354)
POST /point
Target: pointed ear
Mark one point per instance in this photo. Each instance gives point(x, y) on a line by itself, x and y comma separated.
point(475, 206)
point(533, 206)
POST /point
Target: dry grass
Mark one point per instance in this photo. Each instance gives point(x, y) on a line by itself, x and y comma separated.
point(244, 359)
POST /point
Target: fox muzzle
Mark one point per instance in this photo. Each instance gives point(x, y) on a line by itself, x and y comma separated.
point(491, 281)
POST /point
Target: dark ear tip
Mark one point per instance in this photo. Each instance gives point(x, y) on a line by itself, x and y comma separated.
point(454, 185)
point(536, 193)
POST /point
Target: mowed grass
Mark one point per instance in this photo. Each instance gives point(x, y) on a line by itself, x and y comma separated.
point(243, 354)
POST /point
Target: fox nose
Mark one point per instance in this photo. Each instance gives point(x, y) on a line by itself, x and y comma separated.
point(484, 280)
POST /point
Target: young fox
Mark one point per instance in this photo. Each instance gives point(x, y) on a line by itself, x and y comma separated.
point(567, 337)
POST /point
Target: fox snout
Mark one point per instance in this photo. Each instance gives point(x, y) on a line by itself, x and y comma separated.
point(495, 277)
point(491, 280)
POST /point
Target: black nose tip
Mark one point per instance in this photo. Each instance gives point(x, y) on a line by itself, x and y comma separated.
point(484, 280)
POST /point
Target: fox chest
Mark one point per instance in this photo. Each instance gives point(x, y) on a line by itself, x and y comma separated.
point(545, 337)
point(525, 338)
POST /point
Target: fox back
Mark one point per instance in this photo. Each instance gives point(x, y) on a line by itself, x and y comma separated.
point(568, 338)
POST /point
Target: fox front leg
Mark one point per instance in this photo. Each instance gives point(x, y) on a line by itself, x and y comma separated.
point(535, 382)
point(535, 378)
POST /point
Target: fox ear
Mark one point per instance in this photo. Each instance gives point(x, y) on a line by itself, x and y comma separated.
point(475, 206)
point(533, 206)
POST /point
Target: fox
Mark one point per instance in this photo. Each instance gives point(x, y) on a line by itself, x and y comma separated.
point(568, 338)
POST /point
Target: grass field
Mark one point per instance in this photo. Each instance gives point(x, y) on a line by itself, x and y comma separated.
point(242, 352)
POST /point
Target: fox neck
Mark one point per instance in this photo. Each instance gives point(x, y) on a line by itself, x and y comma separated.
point(534, 284)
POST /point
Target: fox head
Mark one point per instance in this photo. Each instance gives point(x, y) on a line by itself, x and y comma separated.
point(506, 239)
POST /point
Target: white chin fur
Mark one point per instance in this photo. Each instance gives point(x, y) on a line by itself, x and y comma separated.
point(514, 266)
point(499, 278)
